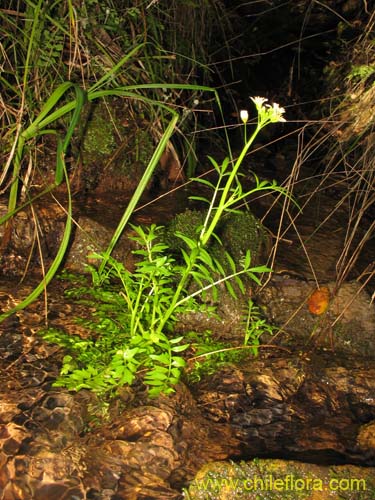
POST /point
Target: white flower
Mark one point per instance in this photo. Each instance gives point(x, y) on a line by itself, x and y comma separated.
point(277, 113)
point(266, 112)
point(244, 115)
point(259, 101)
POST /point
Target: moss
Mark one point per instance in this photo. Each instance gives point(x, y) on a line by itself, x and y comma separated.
point(137, 154)
point(238, 232)
point(115, 150)
point(241, 232)
point(98, 138)
point(268, 479)
point(188, 223)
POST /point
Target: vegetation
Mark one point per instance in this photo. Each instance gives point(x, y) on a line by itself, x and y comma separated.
point(61, 59)
point(344, 147)
point(53, 51)
point(136, 333)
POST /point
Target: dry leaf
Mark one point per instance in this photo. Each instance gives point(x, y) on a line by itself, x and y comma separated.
point(319, 301)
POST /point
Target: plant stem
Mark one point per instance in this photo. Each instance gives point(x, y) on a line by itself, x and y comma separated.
point(223, 203)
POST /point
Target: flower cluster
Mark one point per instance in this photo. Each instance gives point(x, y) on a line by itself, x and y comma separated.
point(266, 112)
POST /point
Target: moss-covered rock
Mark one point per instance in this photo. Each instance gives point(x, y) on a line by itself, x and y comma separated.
point(273, 479)
point(115, 150)
point(242, 231)
point(238, 232)
point(98, 138)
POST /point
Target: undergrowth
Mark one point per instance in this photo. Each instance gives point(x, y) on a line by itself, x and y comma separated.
point(134, 322)
point(95, 362)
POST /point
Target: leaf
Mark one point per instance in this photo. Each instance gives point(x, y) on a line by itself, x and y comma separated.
point(180, 348)
point(206, 258)
point(127, 378)
point(318, 301)
point(178, 361)
point(192, 244)
point(203, 181)
point(247, 260)
point(176, 374)
point(214, 235)
point(230, 289)
point(261, 269)
point(156, 377)
point(240, 284)
point(162, 358)
point(254, 278)
point(231, 262)
point(176, 340)
point(219, 267)
point(214, 163)
point(200, 198)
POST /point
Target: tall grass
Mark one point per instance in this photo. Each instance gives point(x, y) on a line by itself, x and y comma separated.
point(51, 50)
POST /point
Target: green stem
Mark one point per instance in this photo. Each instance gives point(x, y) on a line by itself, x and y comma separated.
point(178, 292)
point(224, 196)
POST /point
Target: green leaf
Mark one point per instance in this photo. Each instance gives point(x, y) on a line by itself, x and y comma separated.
point(176, 340)
point(162, 358)
point(231, 262)
point(156, 380)
point(178, 361)
point(261, 269)
point(192, 244)
point(199, 198)
point(240, 284)
point(180, 348)
point(156, 376)
point(203, 181)
point(205, 257)
point(175, 375)
point(214, 163)
point(247, 260)
point(230, 289)
point(255, 278)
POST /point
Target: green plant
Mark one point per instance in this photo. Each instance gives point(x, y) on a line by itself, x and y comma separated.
point(39, 128)
point(228, 191)
point(255, 327)
point(135, 327)
point(361, 72)
point(211, 354)
point(140, 339)
point(42, 64)
point(239, 230)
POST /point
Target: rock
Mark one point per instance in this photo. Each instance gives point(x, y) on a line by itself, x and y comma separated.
point(348, 324)
point(366, 438)
point(92, 236)
point(273, 479)
point(295, 407)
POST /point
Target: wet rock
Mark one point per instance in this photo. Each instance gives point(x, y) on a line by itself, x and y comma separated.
point(348, 324)
point(366, 438)
point(111, 157)
point(92, 236)
point(273, 479)
point(296, 407)
point(48, 219)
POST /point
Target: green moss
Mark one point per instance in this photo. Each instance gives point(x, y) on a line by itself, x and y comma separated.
point(241, 232)
point(115, 150)
point(98, 138)
point(270, 479)
point(188, 223)
point(238, 232)
point(135, 157)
